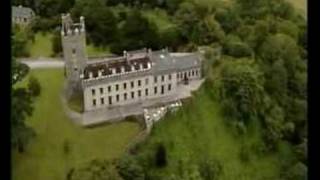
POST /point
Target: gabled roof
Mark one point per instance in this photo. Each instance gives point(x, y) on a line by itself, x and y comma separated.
point(19, 11)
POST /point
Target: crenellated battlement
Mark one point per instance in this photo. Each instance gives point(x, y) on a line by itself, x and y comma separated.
point(72, 29)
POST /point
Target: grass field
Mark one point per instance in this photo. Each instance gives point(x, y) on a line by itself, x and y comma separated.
point(45, 158)
point(42, 46)
point(198, 131)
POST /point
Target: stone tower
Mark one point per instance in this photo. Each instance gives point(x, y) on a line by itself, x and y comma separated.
point(73, 38)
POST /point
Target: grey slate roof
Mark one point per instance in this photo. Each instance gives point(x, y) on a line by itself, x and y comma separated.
point(19, 11)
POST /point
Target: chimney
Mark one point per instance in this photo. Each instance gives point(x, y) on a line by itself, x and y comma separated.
point(140, 66)
point(122, 69)
point(149, 65)
point(99, 73)
point(132, 67)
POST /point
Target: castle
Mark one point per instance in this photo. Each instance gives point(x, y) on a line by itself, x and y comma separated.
point(136, 77)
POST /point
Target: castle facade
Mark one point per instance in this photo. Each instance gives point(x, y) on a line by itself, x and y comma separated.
point(133, 78)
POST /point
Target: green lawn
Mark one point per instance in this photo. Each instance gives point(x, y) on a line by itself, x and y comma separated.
point(42, 46)
point(198, 131)
point(45, 158)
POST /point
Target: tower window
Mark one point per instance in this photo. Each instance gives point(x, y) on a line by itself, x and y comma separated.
point(162, 89)
point(94, 102)
point(155, 79)
point(147, 81)
point(101, 90)
point(155, 90)
point(110, 100)
point(117, 87)
point(124, 85)
point(192, 72)
point(139, 93)
point(169, 76)
point(169, 87)
point(125, 96)
point(117, 97)
point(162, 78)
point(73, 51)
point(132, 95)
point(93, 91)
point(139, 82)
point(146, 92)
point(132, 84)
point(109, 88)
point(102, 100)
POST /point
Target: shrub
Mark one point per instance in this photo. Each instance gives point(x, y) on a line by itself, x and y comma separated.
point(34, 86)
point(210, 169)
point(161, 156)
point(129, 169)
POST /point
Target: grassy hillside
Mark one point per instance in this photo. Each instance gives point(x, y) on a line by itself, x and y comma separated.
point(45, 158)
point(199, 131)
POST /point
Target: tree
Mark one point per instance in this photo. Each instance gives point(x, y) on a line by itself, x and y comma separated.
point(20, 40)
point(95, 169)
point(136, 33)
point(21, 107)
point(56, 43)
point(240, 89)
point(130, 169)
point(34, 86)
point(296, 172)
point(100, 20)
point(233, 46)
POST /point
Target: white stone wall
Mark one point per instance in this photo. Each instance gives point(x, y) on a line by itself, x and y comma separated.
point(117, 90)
point(194, 73)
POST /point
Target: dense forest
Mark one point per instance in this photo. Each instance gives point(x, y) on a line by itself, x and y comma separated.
point(260, 80)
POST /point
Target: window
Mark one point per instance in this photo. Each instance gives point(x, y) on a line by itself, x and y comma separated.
point(93, 91)
point(109, 88)
point(169, 87)
point(117, 87)
point(162, 89)
point(162, 78)
point(102, 100)
point(147, 81)
point(101, 90)
point(110, 100)
point(169, 76)
point(146, 91)
point(124, 85)
point(139, 93)
point(155, 79)
point(139, 82)
point(132, 95)
point(73, 51)
point(94, 102)
point(189, 73)
point(125, 96)
point(155, 90)
point(197, 72)
point(192, 72)
point(117, 97)
point(132, 84)
point(177, 75)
